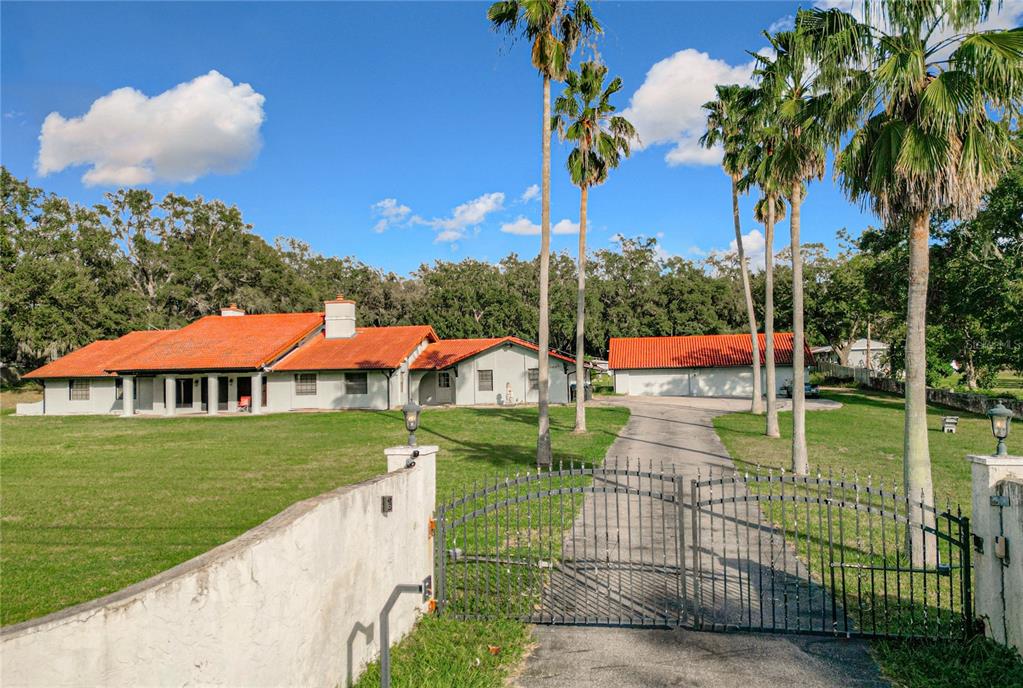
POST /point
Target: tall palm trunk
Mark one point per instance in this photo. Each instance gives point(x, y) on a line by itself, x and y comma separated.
point(580, 316)
point(772, 387)
point(757, 403)
point(800, 462)
point(916, 464)
point(543, 442)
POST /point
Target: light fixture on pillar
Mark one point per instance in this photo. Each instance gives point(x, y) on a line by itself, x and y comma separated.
point(1001, 418)
point(411, 412)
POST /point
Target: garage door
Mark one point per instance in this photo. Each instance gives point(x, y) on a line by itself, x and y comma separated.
point(659, 383)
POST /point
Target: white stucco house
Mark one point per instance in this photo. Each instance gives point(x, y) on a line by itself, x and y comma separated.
point(502, 370)
point(860, 351)
point(235, 362)
point(695, 366)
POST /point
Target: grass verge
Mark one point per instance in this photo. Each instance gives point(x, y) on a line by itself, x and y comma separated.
point(443, 652)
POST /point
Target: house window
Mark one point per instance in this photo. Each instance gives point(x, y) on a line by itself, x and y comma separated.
point(118, 389)
point(486, 380)
point(534, 378)
point(444, 380)
point(305, 383)
point(356, 383)
point(78, 390)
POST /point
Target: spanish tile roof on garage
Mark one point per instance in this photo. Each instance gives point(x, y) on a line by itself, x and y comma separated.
point(92, 360)
point(217, 342)
point(372, 348)
point(448, 352)
point(699, 351)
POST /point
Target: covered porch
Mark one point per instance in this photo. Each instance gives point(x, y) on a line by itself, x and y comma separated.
point(192, 394)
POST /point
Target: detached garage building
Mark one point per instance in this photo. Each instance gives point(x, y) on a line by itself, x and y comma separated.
point(718, 365)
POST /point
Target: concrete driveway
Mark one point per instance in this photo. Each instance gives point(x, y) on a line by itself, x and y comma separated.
point(680, 432)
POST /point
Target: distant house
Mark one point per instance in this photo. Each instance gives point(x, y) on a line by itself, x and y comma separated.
point(289, 362)
point(857, 356)
point(696, 366)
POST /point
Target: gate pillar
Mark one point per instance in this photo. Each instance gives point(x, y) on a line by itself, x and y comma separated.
point(997, 524)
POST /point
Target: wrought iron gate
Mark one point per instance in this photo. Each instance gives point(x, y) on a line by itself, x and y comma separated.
point(626, 544)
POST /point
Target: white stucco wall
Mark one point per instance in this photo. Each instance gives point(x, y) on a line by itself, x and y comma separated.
point(102, 398)
point(510, 365)
point(699, 382)
point(294, 601)
point(330, 392)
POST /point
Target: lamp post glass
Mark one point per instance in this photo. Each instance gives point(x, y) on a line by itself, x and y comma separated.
point(1001, 418)
point(411, 412)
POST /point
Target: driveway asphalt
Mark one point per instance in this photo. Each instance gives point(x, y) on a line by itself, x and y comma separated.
point(678, 434)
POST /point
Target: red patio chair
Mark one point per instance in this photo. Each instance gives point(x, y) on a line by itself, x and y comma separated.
point(244, 403)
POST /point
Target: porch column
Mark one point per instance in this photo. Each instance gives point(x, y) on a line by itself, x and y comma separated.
point(128, 395)
point(196, 394)
point(232, 394)
point(212, 392)
point(170, 396)
point(257, 393)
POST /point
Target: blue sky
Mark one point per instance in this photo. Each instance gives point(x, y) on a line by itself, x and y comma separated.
point(350, 104)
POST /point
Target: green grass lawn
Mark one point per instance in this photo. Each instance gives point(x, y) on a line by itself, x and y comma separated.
point(92, 504)
point(864, 439)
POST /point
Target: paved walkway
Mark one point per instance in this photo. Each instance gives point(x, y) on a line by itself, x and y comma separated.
point(678, 433)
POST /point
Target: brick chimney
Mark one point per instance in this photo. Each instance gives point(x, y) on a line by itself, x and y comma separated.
point(231, 310)
point(339, 318)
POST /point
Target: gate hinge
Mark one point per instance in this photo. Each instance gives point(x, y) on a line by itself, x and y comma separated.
point(431, 528)
point(1000, 500)
point(978, 544)
point(427, 587)
point(1002, 549)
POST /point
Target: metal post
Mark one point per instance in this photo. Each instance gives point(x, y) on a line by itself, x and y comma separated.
point(385, 635)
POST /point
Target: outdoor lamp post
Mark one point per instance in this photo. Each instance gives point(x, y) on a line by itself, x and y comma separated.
point(411, 412)
point(1000, 417)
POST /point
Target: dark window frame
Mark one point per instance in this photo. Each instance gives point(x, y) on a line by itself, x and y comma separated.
point(533, 375)
point(304, 386)
point(485, 383)
point(446, 376)
point(354, 382)
point(75, 389)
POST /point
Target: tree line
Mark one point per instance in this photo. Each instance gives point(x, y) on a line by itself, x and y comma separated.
point(74, 274)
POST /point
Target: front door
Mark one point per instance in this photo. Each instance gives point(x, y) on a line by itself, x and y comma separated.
point(445, 387)
point(184, 392)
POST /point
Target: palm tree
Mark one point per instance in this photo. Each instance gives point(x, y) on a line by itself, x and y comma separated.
point(724, 126)
point(554, 32)
point(584, 114)
point(931, 102)
point(791, 85)
point(767, 211)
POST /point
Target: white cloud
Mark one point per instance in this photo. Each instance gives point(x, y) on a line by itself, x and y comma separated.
point(668, 107)
point(206, 125)
point(390, 212)
point(524, 227)
point(531, 193)
point(469, 214)
point(786, 23)
point(565, 226)
point(753, 244)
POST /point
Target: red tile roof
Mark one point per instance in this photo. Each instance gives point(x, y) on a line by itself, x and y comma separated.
point(92, 360)
point(700, 351)
point(448, 352)
point(216, 342)
point(372, 348)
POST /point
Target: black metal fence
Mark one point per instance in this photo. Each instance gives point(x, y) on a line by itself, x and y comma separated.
point(626, 544)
